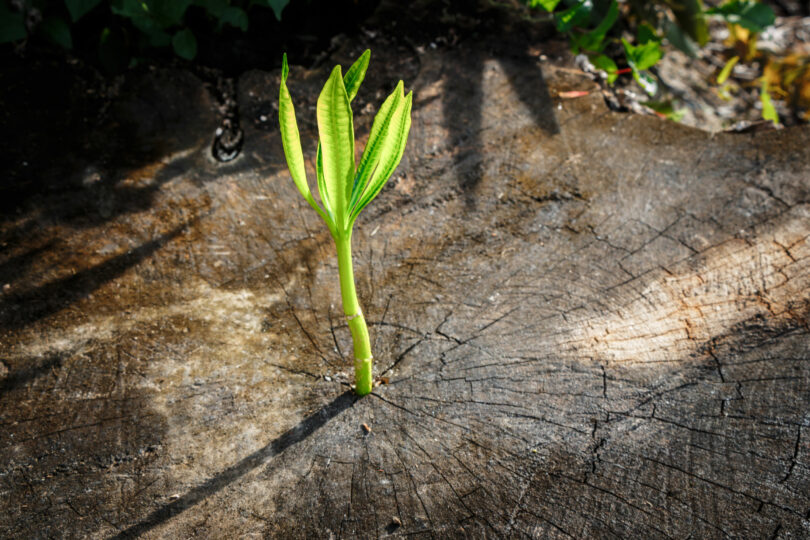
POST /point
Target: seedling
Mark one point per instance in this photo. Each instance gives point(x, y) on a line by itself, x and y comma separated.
point(345, 188)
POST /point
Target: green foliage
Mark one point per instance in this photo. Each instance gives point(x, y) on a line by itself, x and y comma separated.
point(753, 16)
point(606, 64)
point(642, 57)
point(548, 5)
point(79, 8)
point(591, 25)
point(768, 110)
point(128, 27)
point(57, 31)
point(235, 17)
point(679, 39)
point(690, 20)
point(594, 40)
point(666, 109)
point(726, 71)
point(185, 44)
point(12, 25)
point(277, 6)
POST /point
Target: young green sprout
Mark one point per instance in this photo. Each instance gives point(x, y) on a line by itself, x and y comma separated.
point(345, 188)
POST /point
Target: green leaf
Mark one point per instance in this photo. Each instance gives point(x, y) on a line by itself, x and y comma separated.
point(605, 63)
point(215, 8)
point(768, 110)
point(235, 17)
point(395, 137)
point(643, 56)
point(57, 31)
point(681, 41)
point(322, 190)
point(168, 13)
point(577, 15)
point(691, 19)
point(751, 15)
point(666, 109)
point(376, 141)
point(548, 5)
point(355, 75)
point(185, 44)
point(129, 8)
point(594, 40)
point(79, 8)
point(726, 71)
point(646, 34)
point(138, 13)
point(291, 141)
point(646, 81)
point(12, 25)
point(336, 130)
point(277, 6)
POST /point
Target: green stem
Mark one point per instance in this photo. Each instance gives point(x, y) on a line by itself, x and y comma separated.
point(354, 316)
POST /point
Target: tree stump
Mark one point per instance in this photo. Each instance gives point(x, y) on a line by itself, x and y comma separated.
point(588, 324)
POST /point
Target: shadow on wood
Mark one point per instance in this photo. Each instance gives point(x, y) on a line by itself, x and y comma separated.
point(307, 427)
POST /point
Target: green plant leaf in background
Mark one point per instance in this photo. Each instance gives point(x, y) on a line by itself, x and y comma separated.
point(594, 40)
point(57, 31)
point(185, 44)
point(666, 109)
point(605, 63)
point(168, 13)
point(679, 39)
point(138, 14)
point(726, 71)
point(277, 6)
point(129, 8)
point(79, 8)
point(12, 25)
point(753, 16)
point(691, 19)
point(577, 15)
point(548, 5)
point(646, 34)
point(215, 8)
point(642, 56)
point(646, 81)
point(768, 110)
point(235, 17)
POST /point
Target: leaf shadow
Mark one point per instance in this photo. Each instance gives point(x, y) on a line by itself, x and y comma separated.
point(463, 108)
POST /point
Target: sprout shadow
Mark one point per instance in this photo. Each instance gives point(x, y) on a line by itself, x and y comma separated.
point(293, 436)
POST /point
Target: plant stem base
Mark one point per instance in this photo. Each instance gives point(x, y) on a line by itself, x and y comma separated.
point(354, 317)
point(362, 376)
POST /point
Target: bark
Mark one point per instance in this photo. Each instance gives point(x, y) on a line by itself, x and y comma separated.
point(591, 324)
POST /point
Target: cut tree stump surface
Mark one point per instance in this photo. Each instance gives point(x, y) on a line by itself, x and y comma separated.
point(593, 324)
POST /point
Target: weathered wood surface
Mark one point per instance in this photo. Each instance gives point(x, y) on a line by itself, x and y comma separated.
point(594, 324)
